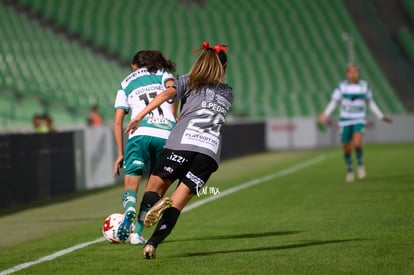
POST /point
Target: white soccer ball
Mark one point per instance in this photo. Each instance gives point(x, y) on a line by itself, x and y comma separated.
point(110, 228)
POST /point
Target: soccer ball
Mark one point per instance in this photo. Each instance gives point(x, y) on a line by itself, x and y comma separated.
point(110, 227)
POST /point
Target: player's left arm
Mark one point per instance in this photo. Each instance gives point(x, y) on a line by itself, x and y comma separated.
point(377, 112)
point(374, 107)
point(175, 104)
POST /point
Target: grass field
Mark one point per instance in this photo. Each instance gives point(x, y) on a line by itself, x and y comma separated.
point(298, 217)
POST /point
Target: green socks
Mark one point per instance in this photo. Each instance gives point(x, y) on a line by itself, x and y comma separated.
point(348, 162)
point(359, 155)
point(129, 198)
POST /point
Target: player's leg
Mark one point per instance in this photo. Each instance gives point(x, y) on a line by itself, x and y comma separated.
point(158, 183)
point(134, 166)
point(153, 199)
point(181, 196)
point(129, 195)
point(153, 150)
point(129, 200)
point(195, 178)
point(346, 137)
point(179, 165)
point(357, 140)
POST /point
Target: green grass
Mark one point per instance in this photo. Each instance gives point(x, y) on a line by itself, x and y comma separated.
point(306, 222)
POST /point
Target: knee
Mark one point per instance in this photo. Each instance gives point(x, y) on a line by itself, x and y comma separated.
point(158, 185)
point(358, 145)
point(347, 148)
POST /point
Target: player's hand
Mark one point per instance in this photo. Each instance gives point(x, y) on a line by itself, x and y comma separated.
point(132, 126)
point(387, 119)
point(117, 165)
point(322, 118)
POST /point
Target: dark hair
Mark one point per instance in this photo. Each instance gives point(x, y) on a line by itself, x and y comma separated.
point(352, 65)
point(223, 58)
point(153, 60)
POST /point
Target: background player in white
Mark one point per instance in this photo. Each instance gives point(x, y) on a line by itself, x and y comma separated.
point(353, 94)
point(192, 152)
point(151, 75)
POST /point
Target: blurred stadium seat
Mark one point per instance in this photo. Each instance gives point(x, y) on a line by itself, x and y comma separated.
point(407, 40)
point(406, 35)
point(286, 56)
point(37, 62)
point(409, 5)
point(7, 102)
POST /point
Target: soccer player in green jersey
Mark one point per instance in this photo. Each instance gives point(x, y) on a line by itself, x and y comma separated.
point(353, 94)
point(151, 75)
point(192, 151)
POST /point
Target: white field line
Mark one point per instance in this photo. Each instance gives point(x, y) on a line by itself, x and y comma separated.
point(192, 206)
point(50, 257)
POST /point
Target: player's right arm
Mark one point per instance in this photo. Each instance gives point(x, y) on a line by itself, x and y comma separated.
point(121, 108)
point(119, 139)
point(327, 112)
point(330, 107)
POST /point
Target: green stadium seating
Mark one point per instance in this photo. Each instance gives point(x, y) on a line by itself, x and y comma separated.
point(26, 107)
point(39, 63)
point(409, 5)
point(7, 104)
point(285, 60)
point(406, 38)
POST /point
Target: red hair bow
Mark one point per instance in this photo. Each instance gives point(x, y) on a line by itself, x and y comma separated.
point(218, 48)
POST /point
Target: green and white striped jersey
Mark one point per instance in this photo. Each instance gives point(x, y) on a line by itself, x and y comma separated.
point(136, 91)
point(353, 98)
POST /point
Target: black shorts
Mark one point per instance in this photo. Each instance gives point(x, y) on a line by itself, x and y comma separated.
point(191, 168)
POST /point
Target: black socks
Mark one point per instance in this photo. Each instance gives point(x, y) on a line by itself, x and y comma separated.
point(164, 226)
point(148, 201)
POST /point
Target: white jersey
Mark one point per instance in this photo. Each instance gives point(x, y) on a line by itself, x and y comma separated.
point(353, 98)
point(136, 91)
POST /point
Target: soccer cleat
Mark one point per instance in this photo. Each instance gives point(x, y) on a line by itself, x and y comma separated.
point(349, 177)
point(136, 239)
point(361, 172)
point(124, 228)
point(154, 214)
point(149, 251)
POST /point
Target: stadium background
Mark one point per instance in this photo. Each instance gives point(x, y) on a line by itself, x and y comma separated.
point(286, 57)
